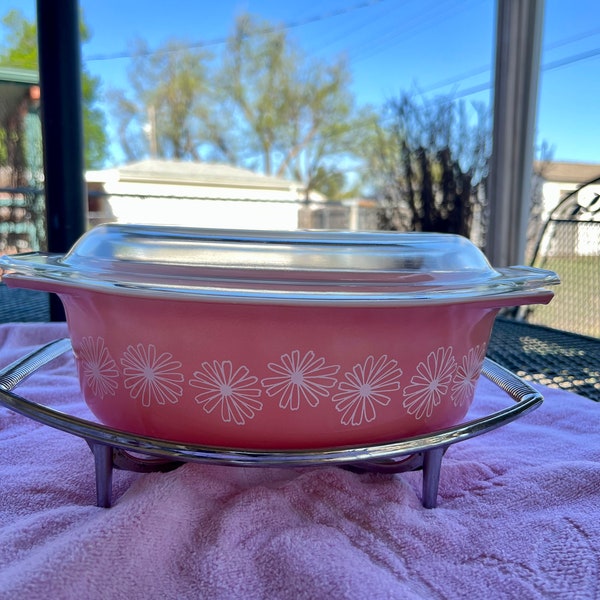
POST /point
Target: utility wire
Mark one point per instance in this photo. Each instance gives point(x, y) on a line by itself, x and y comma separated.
point(550, 66)
point(486, 68)
point(222, 40)
point(418, 22)
point(414, 25)
point(567, 60)
point(343, 35)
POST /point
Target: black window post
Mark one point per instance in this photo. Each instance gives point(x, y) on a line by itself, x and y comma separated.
point(59, 51)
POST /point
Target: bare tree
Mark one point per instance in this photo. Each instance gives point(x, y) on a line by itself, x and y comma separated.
point(428, 164)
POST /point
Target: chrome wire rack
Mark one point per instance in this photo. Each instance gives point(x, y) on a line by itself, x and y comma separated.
point(115, 449)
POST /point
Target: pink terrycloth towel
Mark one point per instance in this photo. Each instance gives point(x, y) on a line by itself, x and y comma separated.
point(518, 514)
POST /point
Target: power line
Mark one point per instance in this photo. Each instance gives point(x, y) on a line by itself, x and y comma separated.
point(573, 38)
point(222, 40)
point(412, 26)
point(418, 23)
point(550, 66)
point(457, 78)
point(332, 37)
point(485, 68)
point(561, 62)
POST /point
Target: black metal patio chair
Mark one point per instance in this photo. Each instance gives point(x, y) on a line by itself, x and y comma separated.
point(559, 344)
point(570, 245)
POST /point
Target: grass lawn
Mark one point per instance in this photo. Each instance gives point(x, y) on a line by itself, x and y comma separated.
point(576, 305)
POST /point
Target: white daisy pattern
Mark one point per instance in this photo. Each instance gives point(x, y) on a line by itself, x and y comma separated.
point(430, 384)
point(98, 367)
point(366, 386)
point(150, 376)
point(300, 379)
point(467, 374)
point(234, 392)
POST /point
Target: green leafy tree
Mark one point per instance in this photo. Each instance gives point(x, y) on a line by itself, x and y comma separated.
point(166, 105)
point(19, 49)
point(20, 41)
point(297, 115)
point(260, 104)
point(333, 184)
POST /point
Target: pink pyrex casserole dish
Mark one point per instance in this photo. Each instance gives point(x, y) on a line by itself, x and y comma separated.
point(264, 340)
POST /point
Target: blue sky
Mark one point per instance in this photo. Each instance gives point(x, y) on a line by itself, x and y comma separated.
point(436, 46)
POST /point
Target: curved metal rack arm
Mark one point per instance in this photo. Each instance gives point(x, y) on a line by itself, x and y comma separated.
point(113, 448)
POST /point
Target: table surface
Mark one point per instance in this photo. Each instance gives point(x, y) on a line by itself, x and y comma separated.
point(536, 353)
point(555, 358)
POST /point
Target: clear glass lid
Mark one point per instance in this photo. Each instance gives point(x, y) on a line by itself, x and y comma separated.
point(299, 265)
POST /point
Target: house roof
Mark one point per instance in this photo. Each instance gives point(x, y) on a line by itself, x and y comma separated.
point(13, 87)
point(192, 173)
point(568, 172)
point(15, 75)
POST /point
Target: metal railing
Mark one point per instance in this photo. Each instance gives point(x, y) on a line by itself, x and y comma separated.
point(22, 220)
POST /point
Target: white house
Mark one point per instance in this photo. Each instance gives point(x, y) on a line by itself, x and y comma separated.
point(561, 178)
point(195, 194)
point(558, 179)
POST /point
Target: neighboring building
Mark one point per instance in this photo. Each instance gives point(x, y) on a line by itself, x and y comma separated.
point(355, 214)
point(20, 127)
point(557, 181)
point(22, 223)
point(561, 178)
point(195, 194)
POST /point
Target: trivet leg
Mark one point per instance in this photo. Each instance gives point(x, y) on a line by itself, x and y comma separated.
point(103, 461)
point(432, 462)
